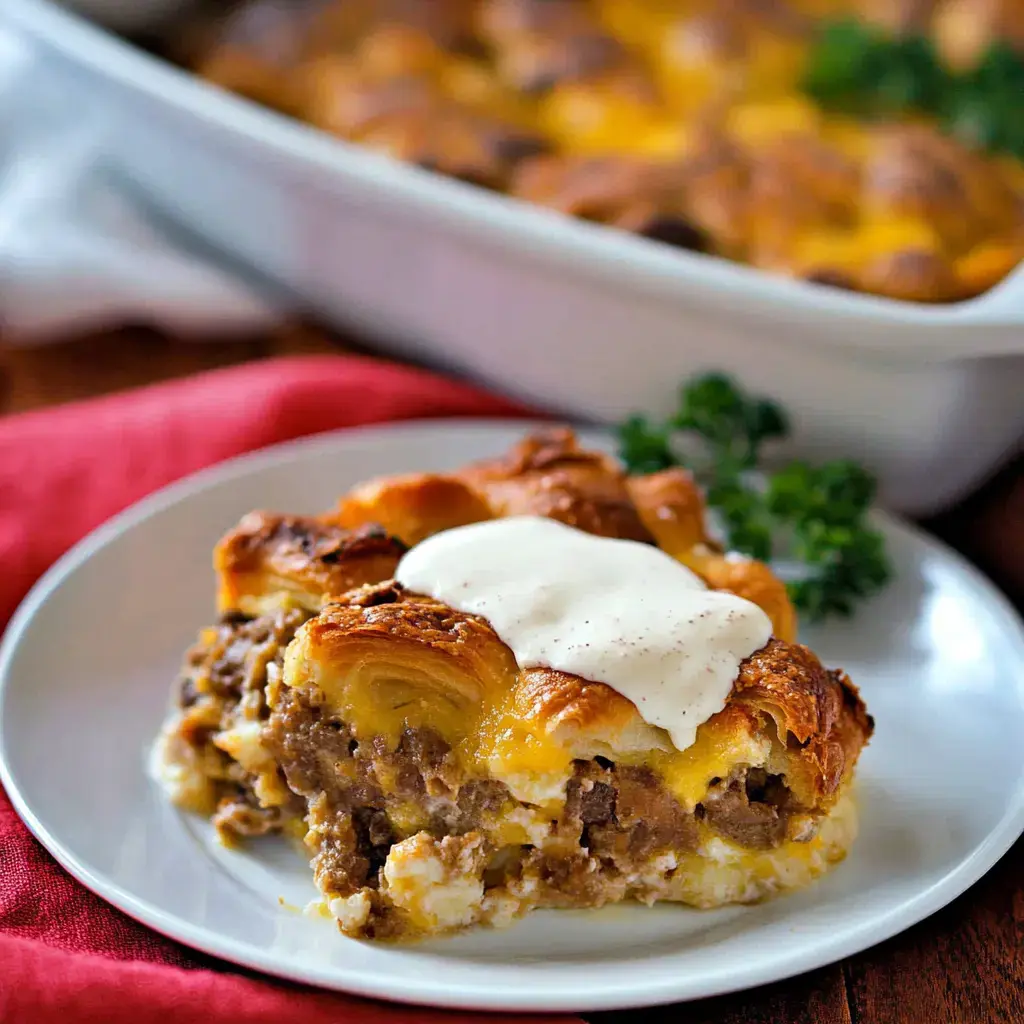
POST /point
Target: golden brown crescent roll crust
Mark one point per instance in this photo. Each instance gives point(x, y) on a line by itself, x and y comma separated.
point(549, 474)
point(546, 474)
point(404, 658)
point(670, 506)
point(818, 712)
point(413, 506)
point(269, 558)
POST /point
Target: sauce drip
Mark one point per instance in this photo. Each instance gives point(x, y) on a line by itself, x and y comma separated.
point(613, 611)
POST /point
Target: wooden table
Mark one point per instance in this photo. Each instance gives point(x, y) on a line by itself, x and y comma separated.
point(964, 965)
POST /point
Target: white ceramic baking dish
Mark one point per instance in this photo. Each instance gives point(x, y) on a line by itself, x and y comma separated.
point(582, 319)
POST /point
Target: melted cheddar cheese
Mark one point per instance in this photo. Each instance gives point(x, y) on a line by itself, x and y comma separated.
point(493, 739)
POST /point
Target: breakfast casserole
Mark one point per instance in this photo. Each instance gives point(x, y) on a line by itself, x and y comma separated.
point(873, 147)
point(442, 776)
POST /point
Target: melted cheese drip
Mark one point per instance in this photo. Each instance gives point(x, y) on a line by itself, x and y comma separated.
point(611, 611)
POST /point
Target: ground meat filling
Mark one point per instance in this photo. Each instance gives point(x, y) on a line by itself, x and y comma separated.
point(232, 665)
point(347, 823)
point(221, 686)
point(752, 808)
point(239, 814)
point(626, 815)
point(358, 791)
point(317, 752)
point(619, 823)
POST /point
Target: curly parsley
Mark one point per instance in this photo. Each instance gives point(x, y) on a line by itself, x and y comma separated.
point(861, 70)
point(816, 515)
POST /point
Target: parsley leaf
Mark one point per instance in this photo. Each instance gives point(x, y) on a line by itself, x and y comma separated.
point(818, 511)
point(858, 69)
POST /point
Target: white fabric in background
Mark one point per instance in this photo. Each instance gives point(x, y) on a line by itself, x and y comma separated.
point(76, 252)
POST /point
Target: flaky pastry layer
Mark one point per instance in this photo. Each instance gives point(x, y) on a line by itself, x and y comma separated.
point(271, 559)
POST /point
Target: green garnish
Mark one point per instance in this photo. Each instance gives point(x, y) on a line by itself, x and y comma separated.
point(814, 515)
point(986, 106)
point(861, 70)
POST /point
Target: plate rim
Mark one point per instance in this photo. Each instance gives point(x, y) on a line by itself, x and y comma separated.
point(879, 928)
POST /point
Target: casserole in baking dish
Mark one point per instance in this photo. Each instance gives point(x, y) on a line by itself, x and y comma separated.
point(588, 320)
point(705, 125)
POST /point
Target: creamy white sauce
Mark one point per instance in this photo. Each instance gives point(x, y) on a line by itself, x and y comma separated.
point(611, 611)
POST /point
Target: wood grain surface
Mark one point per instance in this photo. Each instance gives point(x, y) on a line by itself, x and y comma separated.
point(964, 965)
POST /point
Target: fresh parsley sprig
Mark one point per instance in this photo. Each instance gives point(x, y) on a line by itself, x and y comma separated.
point(859, 69)
point(815, 515)
point(985, 107)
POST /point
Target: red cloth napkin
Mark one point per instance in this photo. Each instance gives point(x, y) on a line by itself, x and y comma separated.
point(65, 955)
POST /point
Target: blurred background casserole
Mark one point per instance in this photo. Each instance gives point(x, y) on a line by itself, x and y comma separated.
point(800, 149)
point(871, 145)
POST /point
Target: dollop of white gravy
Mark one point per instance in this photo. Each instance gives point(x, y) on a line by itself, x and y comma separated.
point(613, 611)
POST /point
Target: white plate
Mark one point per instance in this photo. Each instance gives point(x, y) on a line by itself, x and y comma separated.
point(84, 675)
